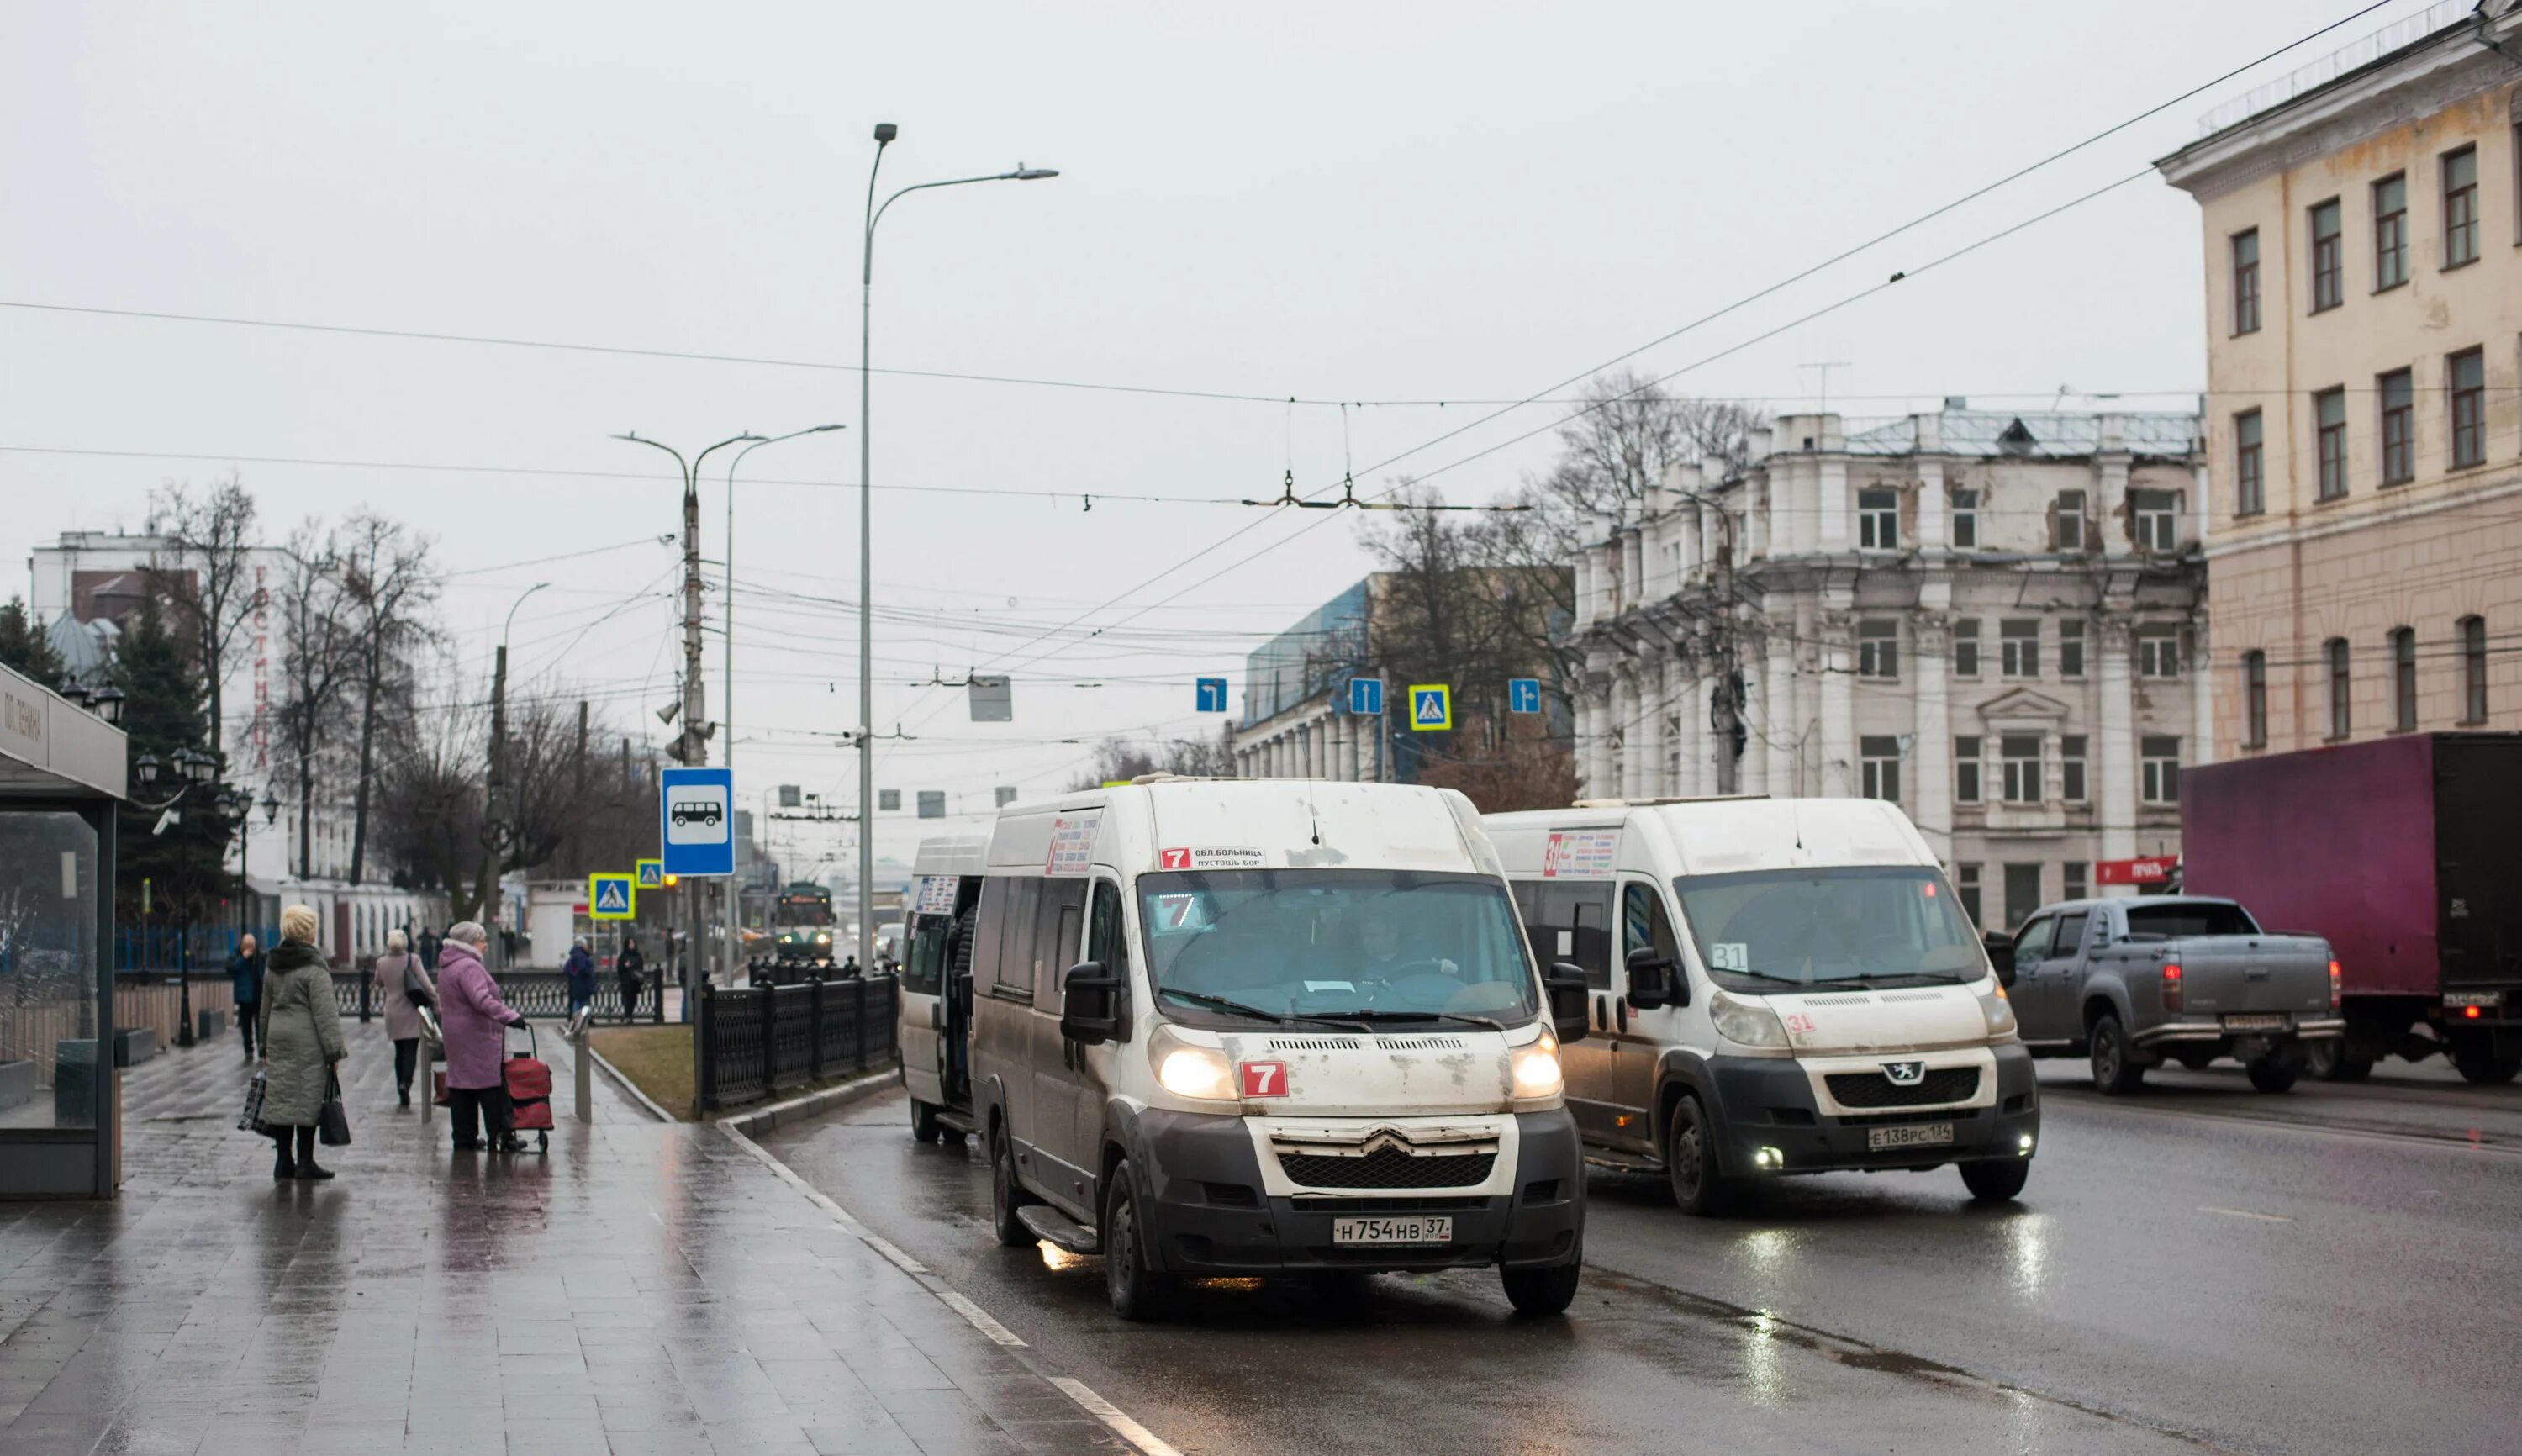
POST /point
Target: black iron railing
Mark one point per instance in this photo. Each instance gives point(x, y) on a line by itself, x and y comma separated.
point(757, 1040)
point(533, 993)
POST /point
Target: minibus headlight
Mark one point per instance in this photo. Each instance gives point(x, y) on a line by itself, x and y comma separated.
point(1186, 1070)
point(1536, 1071)
point(1993, 1004)
point(1745, 1021)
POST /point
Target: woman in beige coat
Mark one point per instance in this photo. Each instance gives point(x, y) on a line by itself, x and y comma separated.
point(404, 987)
point(301, 1042)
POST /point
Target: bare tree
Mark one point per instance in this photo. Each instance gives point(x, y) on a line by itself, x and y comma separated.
point(1618, 442)
point(1467, 600)
point(389, 580)
point(1119, 758)
point(319, 663)
point(206, 577)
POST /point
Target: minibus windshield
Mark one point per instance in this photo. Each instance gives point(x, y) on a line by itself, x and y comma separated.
point(1892, 925)
point(1382, 944)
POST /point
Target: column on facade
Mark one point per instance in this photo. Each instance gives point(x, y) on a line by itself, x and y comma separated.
point(2111, 471)
point(1633, 563)
point(1593, 752)
point(1659, 685)
point(2116, 789)
point(2201, 748)
point(1624, 728)
point(1686, 695)
point(1931, 786)
point(1783, 730)
point(1832, 503)
point(1838, 778)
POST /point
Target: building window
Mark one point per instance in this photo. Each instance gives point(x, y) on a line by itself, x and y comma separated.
point(2390, 232)
point(1966, 520)
point(2403, 678)
point(2022, 892)
point(2254, 699)
point(2329, 419)
point(2460, 207)
point(2473, 670)
point(1878, 519)
point(1966, 768)
point(1966, 883)
point(2250, 465)
point(2021, 762)
point(2071, 520)
point(2070, 647)
point(2328, 257)
point(2019, 648)
point(2468, 375)
point(2157, 517)
point(2246, 282)
point(2158, 652)
point(2398, 393)
point(2071, 769)
point(1879, 764)
point(1966, 647)
point(2159, 768)
point(1878, 649)
point(2339, 682)
point(2079, 884)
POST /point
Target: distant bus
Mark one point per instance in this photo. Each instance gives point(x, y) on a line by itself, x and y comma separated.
point(802, 917)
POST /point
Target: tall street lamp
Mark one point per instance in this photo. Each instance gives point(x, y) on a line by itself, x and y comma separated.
point(727, 637)
point(885, 132)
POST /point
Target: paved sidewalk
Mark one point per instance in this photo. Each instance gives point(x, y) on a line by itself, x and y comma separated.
point(646, 1288)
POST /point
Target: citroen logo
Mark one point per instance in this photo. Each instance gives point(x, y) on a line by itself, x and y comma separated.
point(1905, 1074)
point(1385, 1139)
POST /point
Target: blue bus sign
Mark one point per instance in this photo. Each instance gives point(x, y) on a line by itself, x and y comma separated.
point(696, 820)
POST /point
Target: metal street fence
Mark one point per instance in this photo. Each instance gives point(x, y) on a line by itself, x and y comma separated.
point(533, 993)
point(757, 1040)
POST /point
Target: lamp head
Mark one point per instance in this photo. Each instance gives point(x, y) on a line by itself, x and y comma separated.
point(108, 705)
point(886, 131)
point(1024, 174)
point(271, 807)
point(145, 768)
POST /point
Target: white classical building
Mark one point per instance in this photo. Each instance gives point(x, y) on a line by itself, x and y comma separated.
point(1994, 620)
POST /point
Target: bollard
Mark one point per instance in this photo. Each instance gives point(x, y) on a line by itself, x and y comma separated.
point(431, 1040)
point(583, 1063)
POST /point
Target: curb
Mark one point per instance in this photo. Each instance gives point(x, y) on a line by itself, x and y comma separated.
point(813, 1104)
point(588, 1049)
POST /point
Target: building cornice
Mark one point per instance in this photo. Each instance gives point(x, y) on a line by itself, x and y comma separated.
point(2325, 526)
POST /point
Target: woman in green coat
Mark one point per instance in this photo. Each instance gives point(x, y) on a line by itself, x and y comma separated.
point(302, 1042)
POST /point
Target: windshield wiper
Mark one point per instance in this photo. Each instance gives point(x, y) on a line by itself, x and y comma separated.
point(1383, 1015)
point(1238, 1009)
point(1762, 975)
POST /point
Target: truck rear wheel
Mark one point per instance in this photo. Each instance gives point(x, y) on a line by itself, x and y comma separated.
point(2274, 1073)
point(2478, 1062)
point(1546, 1290)
point(2116, 1072)
point(1690, 1158)
point(2327, 1060)
point(1996, 1181)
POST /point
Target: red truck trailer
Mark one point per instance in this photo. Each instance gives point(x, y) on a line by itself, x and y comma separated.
point(2406, 854)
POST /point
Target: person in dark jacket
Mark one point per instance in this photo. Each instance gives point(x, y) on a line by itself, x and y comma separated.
point(630, 971)
point(245, 982)
point(581, 971)
point(302, 1045)
point(426, 945)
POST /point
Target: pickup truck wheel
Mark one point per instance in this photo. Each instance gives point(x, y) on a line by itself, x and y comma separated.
point(2327, 1060)
point(1138, 1292)
point(1996, 1182)
point(2115, 1072)
point(2478, 1062)
point(1698, 1182)
point(1543, 1292)
point(923, 1121)
point(1005, 1198)
point(2274, 1073)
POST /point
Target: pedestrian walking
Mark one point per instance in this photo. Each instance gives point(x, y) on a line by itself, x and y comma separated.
point(404, 987)
point(630, 971)
point(245, 985)
point(428, 947)
point(579, 971)
point(474, 1022)
point(302, 1044)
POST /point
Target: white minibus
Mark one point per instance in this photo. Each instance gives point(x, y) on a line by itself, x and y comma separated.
point(1777, 986)
point(1228, 1028)
point(935, 986)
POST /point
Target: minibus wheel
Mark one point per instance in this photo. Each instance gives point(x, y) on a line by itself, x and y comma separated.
point(1005, 1198)
point(1997, 1180)
point(1545, 1291)
point(1698, 1182)
point(923, 1121)
point(1137, 1292)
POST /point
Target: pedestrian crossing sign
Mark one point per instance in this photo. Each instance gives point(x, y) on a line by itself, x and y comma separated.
point(650, 875)
point(1431, 707)
point(611, 897)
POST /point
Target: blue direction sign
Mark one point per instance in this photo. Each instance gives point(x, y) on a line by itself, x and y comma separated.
point(696, 821)
point(1212, 694)
point(1431, 707)
point(1523, 694)
point(1366, 696)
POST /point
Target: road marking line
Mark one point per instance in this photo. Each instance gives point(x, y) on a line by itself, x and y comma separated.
point(1110, 1415)
point(896, 1257)
point(979, 1319)
point(2245, 1214)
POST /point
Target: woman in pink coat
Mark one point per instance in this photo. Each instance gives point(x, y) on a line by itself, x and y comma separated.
point(475, 1021)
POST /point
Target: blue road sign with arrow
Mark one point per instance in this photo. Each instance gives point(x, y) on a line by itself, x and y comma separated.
point(1212, 694)
point(1523, 694)
point(1366, 696)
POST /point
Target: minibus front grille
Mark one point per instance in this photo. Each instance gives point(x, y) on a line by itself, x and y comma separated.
point(1388, 1167)
point(1418, 1044)
point(1857, 999)
point(1949, 1084)
point(1314, 1044)
point(1403, 1205)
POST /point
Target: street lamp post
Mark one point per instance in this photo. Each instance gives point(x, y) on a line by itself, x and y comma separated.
point(885, 132)
point(727, 637)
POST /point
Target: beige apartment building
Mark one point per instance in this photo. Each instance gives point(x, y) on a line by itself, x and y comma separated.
point(2363, 225)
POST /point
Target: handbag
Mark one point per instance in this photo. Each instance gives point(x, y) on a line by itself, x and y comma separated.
point(250, 1120)
point(414, 989)
point(333, 1123)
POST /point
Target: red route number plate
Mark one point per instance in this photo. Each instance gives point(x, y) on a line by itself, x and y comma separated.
point(1265, 1079)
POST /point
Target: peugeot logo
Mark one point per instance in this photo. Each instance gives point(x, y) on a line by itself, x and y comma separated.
point(1905, 1074)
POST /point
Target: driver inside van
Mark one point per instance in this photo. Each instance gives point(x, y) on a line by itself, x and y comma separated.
point(1379, 947)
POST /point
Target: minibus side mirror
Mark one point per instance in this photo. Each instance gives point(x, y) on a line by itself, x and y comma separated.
point(2000, 955)
point(1569, 1000)
point(1656, 981)
point(1090, 1009)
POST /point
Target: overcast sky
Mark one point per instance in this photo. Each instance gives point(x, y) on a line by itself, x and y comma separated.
point(1370, 203)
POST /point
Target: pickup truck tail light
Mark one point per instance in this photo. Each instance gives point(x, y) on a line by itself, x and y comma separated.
point(2170, 988)
point(2335, 998)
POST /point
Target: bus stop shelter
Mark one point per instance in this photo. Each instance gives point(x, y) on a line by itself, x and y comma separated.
point(61, 776)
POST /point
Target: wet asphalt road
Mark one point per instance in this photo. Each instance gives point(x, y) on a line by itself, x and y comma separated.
point(2201, 1267)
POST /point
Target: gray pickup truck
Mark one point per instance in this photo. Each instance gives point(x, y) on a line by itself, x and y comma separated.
point(2132, 982)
